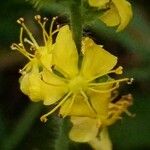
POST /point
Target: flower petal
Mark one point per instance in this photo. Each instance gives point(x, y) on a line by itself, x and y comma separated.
point(100, 102)
point(52, 79)
point(125, 12)
point(84, 129)
point(111, 16)
point(65, 56)
point(46, 58)
point(120, 13)
point(51, 94)
point(30, 84)
point(96, 60)
point(30, 81)
point(98, 3)
point(78, 108)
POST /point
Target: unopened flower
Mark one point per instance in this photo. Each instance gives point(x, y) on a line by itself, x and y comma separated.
point(118, 12)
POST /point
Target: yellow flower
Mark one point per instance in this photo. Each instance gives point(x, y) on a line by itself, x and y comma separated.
point(87, 129)
point(76, 80)
point(39, 56)
point(55, 74)
point(119, 12)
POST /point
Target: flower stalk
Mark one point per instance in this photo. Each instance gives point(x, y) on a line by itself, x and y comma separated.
point(76, 22)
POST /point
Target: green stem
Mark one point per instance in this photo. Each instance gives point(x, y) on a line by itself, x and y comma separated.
point(23, 126)
point(62, 142)
point(103, 142)
point(76, 22)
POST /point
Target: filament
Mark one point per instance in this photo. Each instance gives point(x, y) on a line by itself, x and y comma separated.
point(70, 105)
point(85, 98)
point(105, 91)
point(44, 117)
point(129, 80)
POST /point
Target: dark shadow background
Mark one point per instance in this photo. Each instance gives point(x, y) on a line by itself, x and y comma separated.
point(20, 128)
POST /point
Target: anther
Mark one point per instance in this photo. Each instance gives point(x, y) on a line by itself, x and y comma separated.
point(54, 18)
point(13, 47)
point(20, 44)
point(22, 72)
point(20, 20)
point(43, 119)
point(32, 48)
point(119, 70)
point(37, 17)
point(130, 81)
point(45, 19)
point(58, 26)
point(27, 41)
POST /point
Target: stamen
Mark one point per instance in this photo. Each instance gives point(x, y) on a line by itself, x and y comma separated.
point(114, 95)
point(22, 72)
point(44, 117)
point(28, 41)
point(58, 26)
point(21, 21)
point(14, 46)
point(105, 91)
point(45, 35)
point(70, 106)
point(45, 19)
point(52, 24)
point(21, 37)
point(119, 70)
point(118, 108)
point(51, 29)
point(128, 80)
point(85, 98)
point(37, 17)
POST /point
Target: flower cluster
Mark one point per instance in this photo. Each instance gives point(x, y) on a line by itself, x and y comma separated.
point(80, 88)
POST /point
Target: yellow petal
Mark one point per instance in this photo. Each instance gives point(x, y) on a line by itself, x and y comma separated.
point(46, 60)
point(111, 17)
point(96, 60)
point(84, 129)
point(103, 142)
point(44, 55)
point(125, 12)
point(100, 102)
point(51, 94)
point(120, 13)
point(98, 3)
point(30, 84)
point(78, 108)
point(52, 79)
point(65, 56)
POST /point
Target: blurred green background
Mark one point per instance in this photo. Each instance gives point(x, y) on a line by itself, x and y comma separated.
point(20, 127)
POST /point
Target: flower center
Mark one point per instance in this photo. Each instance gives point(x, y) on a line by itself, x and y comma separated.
point(77, 84)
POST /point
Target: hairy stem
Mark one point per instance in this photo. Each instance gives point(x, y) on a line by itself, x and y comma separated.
point(76, 22)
